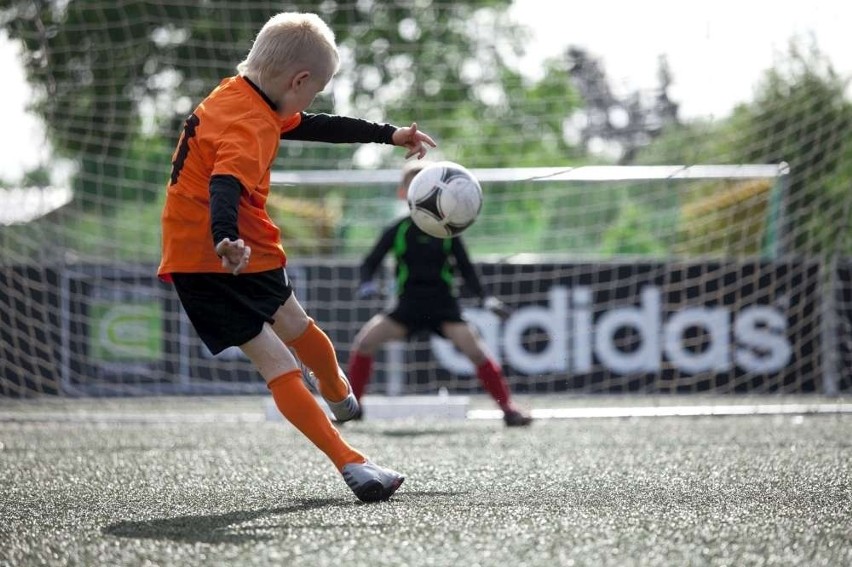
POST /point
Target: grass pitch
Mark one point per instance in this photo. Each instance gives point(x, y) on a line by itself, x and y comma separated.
point(209, 482)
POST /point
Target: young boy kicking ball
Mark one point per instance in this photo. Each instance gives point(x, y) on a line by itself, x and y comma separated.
point(222, 251)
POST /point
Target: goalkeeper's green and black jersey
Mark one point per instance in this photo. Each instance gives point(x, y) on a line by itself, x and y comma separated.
point(425, 265)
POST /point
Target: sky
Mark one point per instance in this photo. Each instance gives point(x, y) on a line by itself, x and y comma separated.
point(22, 138)
point(716, 51)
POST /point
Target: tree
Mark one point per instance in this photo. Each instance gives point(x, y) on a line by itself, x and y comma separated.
point(800, 116)
point(106, 74)
point(629, 122)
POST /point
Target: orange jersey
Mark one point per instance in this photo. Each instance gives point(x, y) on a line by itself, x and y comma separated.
point(234, 131)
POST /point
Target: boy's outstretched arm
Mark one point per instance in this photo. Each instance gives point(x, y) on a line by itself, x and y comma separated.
point(337, 129)
point(413, 139)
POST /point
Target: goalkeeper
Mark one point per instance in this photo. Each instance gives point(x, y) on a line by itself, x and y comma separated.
point(222, 251)
point(426, 301)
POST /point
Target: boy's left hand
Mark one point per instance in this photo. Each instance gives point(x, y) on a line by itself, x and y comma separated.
point(234, 254)
point(413, 139)
point(497, 307)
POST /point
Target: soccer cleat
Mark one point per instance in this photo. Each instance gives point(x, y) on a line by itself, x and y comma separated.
point(370, 482)
point(359, 415)
point(514, 418)
point(347, 408)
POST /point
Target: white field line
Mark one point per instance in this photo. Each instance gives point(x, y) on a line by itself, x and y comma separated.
point(152, 417)
point(674, 411)
point(155, 417)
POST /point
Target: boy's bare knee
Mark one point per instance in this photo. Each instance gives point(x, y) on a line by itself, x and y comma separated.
point(290, 321)
point(362, 345)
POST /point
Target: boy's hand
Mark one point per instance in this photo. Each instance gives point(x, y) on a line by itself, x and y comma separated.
point(497, 307)
point(234, 254)
point(413, 139)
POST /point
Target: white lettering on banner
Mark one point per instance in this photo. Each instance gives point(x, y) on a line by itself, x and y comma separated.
point(716, 356)
point(552, 320)
point(761, 329)
point(582, 318)
point(646, 321)
point(758, 334)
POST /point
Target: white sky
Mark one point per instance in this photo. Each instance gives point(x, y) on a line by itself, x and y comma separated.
point(21, 138)
point(716, 51)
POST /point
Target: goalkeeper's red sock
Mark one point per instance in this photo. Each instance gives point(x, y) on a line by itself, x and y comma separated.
point(298, 405)
point(495, 383)
point(360, 368)
point(315, 350)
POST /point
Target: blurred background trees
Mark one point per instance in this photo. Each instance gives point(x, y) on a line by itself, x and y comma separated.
point(800, 115)
point(113, 82)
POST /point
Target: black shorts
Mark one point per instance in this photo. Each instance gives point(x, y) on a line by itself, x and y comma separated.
point(230, 310)
point(426, 314)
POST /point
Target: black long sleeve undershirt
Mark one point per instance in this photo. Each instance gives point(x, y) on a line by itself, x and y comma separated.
point(332, 128)
point(336, 129)
point(225, 193)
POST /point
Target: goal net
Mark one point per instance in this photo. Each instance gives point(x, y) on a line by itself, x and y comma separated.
point(621, 279)
point(728, 272)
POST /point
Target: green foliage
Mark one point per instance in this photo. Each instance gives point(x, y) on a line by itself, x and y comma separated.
point(630, 235)
point(691, 143)
point(800, 115)
point(93, 64)
point(95, 67)
point(729, 221)
point(505, 131)
point(103, 185)
point(129, 233)
point(38, 177)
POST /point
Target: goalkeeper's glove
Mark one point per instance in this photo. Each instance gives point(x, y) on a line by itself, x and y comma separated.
point(368, 290)
point(497, 307)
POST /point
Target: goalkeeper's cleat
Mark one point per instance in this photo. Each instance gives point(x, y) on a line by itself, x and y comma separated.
point(347, 408)
point(515, 418)
point(370, 482)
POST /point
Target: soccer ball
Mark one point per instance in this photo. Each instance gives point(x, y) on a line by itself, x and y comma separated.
point(444, 198)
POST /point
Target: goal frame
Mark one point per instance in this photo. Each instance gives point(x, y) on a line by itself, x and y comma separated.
point(776, 223)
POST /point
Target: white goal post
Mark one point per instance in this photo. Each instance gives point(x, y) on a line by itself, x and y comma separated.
point(670, 179)
point(554, 173)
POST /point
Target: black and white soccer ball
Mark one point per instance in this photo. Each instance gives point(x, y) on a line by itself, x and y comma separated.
point(444, 199)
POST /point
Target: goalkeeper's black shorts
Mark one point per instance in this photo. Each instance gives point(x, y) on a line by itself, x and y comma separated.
point(418, 314)
point(229, 310)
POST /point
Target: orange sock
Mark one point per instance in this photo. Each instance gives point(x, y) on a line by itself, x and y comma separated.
point(297, 404)
point(315, 350)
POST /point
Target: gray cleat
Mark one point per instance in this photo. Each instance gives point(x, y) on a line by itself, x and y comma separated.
point(370, 482)
point(347, 408)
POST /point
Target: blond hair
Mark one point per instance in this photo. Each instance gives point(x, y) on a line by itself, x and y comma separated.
point(290, 42)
